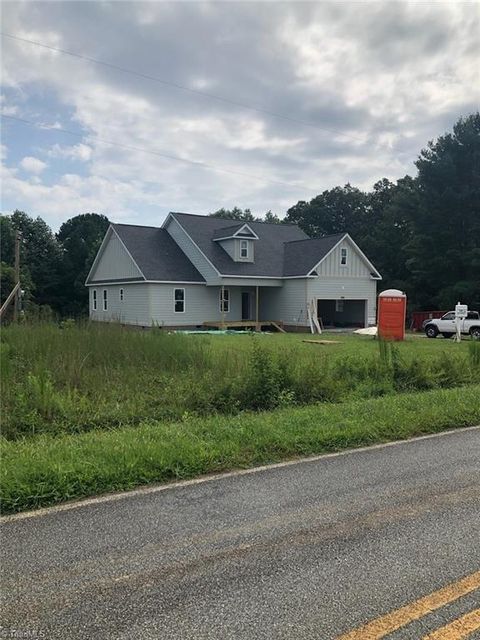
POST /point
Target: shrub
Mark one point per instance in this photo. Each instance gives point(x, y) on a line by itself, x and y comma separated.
point(263, 383)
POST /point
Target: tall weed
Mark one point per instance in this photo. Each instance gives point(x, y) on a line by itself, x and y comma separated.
point(78, 377)
point(474, 354)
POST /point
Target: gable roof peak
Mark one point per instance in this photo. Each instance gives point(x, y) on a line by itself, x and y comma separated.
point(156, 254)
point(204, 230)
point(241, 230)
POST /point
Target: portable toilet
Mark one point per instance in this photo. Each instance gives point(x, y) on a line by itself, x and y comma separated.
point(392, 309)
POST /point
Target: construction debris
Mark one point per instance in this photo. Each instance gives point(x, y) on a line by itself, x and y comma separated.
point(368, 331)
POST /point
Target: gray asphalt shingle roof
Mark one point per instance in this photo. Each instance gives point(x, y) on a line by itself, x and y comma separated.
point(226, 232)
point(301, 256)
point(269, 248)
point(157, 254)
point(282, 250)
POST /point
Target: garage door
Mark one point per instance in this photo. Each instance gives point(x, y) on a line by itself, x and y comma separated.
point(342, 313)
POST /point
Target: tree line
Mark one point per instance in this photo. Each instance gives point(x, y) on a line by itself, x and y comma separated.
point(53, 267)
point(422, 233)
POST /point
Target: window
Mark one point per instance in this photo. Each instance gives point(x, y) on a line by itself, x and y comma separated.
point(225, 301)
point(179, 300)
point(121, 295)
point(94, 299)
point(244, 248)
point(339, 306)
point(105, 300)
point(449, 316)
point(343, 257)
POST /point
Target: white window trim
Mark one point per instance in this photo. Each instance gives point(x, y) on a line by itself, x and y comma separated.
point(227, 300)
point(105, 300)
point(121, 294)
point(247, 247)
point(175, 301)
point(343, 264)
point(94, 299)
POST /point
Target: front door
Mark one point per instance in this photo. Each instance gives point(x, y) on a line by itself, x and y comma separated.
point(245, 305)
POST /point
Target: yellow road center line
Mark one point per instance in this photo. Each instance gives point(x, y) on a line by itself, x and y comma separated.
point(458, 629)
point(380, 627)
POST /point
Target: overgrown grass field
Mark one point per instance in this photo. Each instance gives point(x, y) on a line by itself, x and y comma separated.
point(90, 408)
point(74, 378)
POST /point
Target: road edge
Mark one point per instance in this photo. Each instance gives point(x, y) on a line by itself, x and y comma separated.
point(167, 486)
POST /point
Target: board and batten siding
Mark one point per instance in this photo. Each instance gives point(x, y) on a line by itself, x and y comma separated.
point(289, 303)
point(192, 252)
point(115, 262)
point(347, 288)
point(356, 266)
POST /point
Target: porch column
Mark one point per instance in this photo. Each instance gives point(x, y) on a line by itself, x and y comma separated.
point(257, 328)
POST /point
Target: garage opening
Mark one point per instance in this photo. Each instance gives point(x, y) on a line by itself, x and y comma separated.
point(342, 313)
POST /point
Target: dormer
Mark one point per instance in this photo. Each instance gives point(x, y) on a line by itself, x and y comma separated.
point(238, 241)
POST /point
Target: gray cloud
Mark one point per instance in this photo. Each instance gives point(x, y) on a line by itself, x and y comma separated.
point(389, 75)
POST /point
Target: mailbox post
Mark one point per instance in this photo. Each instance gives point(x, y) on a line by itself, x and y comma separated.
point(461, 312)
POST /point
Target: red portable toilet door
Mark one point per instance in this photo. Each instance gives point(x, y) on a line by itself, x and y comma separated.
point(392, 307)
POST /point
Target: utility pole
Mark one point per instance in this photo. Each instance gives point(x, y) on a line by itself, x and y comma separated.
point(16, 300)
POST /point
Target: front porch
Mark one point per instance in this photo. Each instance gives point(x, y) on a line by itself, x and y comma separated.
point(242, 307)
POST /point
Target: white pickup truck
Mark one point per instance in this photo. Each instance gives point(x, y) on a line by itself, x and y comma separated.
point(446, 325)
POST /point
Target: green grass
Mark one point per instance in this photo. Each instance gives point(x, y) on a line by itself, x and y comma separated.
point(49, 469)
point(77, 378)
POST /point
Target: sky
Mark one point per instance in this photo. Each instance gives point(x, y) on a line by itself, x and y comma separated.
point(249, 104)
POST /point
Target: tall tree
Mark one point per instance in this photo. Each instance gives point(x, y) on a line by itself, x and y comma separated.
point(40, 256)
point(7, 253)
point(80, 238)
point(7, 240)
point(272, 218)
point(443, 256)
point(333, 211)
point(7, 280)
point(246, 215)
point(389, 229)
point(235, 214)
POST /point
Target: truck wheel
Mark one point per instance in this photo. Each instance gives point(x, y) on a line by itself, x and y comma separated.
point(431, 331)
point(475, 333)
point(447, 335)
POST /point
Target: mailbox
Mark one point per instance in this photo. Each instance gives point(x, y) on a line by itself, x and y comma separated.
point(461, 311)
point(392, 309)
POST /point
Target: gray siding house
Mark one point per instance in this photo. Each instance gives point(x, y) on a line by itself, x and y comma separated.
point(197, 269)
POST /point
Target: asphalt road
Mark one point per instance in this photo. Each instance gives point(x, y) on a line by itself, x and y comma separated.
point(310, 550)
